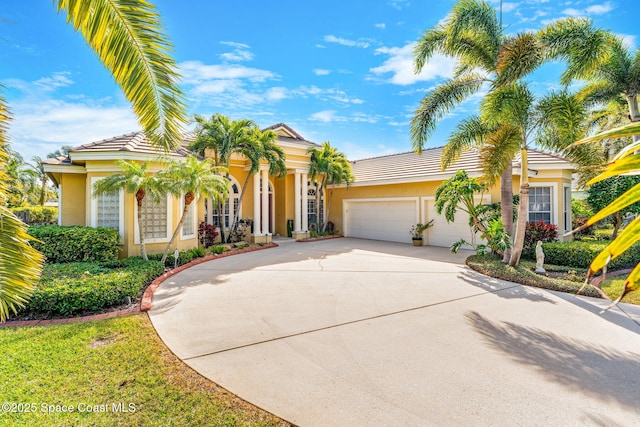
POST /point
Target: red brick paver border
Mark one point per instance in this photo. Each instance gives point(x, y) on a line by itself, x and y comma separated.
point(318, 239)
point(146, 298)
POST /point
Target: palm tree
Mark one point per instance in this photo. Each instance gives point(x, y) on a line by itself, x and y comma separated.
point(134, 178)
point(42, 177)
point(224, 137)
point(20, 264)
point(190, 179)
point(22, 179)
point(340, 174)
point(472, 33)
point(327, 165)
point(128, 40)
point(262, 147)
point(62, 151)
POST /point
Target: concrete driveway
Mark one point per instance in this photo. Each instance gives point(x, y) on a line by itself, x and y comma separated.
point(352, 332)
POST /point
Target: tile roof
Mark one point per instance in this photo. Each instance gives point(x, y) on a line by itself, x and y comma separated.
point(295, 138)
point(411, 166)
point(136, 142)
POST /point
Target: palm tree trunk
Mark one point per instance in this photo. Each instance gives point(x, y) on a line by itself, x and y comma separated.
point(523, 210)
point(634, 114)
point(143, 250)
point(319, 187)
point(506, 206)
point(188, 198)
point(324, 227)
point(617, 223)
point(42, 191)
point(237, 217)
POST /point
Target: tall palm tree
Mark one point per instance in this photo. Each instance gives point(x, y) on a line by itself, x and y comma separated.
point(472, 33)
point(340, 174)
point(327, 164)
point(134, 178)
point(262, 148)
point(22, 179)
point(224, 137)
point(190, 179)
point(20, 263)
point(42, 178)
point(128, 40)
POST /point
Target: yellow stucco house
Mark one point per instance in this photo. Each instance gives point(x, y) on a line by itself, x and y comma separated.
point(390, 193)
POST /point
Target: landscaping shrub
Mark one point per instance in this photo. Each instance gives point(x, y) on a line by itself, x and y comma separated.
point(76, 244)
point(71, 288)
point(40, 214)
point(537, 231)
point(217, 249)
point(184, 257)
point(207, 234)
point(579, 254)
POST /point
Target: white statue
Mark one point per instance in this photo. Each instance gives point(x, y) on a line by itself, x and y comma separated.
point(539, 258)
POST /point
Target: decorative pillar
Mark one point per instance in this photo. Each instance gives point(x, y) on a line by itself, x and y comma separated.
point(297, 203)
point(256, 205)
point(305, 203)
point(265, 201)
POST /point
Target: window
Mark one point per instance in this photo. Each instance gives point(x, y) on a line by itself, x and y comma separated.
point(227, 216)
point(189, 225)
point(311, 207)
point(108, 210)
point(154, 218)
point(540, 204)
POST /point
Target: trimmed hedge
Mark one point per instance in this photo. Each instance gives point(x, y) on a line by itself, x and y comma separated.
point(73, 288)
point(184, 257)
point(40, 214)
point(579, 254)
point(76, 244)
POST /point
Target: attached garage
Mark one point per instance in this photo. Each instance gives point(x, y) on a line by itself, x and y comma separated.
point(388, 219)
point(444, 233)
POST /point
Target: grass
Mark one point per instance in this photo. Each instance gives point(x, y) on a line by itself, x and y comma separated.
point(613, 287)
point(107, 362)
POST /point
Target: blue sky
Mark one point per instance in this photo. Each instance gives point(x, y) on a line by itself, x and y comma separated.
point(338, 71)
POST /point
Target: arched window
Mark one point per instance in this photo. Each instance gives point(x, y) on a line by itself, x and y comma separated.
point(226, 215)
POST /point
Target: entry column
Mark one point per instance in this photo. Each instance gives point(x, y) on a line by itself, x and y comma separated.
point(256, 205)
point(265, 201)
point(297, 197)
point(305, 203)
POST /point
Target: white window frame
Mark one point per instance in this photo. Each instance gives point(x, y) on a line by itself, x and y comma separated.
point(230, 200)
point(136, 228)
point(567, 213)
point(193, 211)
point(323, 204)
point(93, 215)
point(555, 202)
point(59, 204)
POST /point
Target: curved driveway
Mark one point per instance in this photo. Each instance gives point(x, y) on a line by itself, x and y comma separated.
point(351, 332)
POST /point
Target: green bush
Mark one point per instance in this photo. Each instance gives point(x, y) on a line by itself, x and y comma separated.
point(218, 249)
point(40, 214)
point(72, 288)
point(76, 244)
point(184, 257)
point(579, 254)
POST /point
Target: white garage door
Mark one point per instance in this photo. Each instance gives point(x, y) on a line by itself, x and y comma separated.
point(444, 233)
point(385, 219)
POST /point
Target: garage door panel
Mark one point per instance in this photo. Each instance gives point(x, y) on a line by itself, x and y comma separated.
point(381, 220)
point(444, 233)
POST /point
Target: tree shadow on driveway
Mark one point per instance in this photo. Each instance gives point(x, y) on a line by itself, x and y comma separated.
point(602, 372)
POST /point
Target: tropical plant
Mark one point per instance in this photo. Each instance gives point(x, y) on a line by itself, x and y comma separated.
point(627, 162)
point(44, 192)
point(472, 33)
point(22, 180)
point(327, 166)
point(62, 151)
point(134, 178)
point(224, 137)
point(417, 229)
point(20, 264)
point(190, 179)
point(459, 192)
point(261, 148)
point(602, 193)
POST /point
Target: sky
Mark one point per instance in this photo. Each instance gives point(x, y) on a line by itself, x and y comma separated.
point(338, 71)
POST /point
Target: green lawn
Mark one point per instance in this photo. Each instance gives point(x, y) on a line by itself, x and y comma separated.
point(102, 364)
point(613, 288)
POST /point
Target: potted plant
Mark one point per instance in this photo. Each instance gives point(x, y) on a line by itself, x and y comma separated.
point(417, 230)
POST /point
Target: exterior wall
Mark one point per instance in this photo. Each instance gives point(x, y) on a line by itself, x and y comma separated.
point(73, 204)
point(282, 192)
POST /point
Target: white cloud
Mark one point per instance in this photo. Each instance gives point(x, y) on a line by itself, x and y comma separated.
point(321, 72)
point(629, 41)
point(195, 71)
point(400, 65)
point(362, 43)
point(398, 4)
point(381, 25)
point(56, 80)
point(509, 7)
point(277, 93)
point(325, 116)
point(594, 9)
point(239, 53)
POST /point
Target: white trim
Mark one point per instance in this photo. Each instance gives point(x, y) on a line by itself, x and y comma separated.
point(567, 227)
point(93, 207)
point(405, 180)
point(113, 155)
point(64, 168)
point(136, 229)
point(346, 202)
point(193, 210)
point(555, 200)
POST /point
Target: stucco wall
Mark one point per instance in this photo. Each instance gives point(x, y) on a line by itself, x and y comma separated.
point(73, 199)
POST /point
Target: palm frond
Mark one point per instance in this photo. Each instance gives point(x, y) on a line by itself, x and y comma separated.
point(479, 17)
point(623, 131)
point(430, 43)
point(498, 151)
point(519, 56)
point(128, 39)
point(470, 132)
point(438, 103)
